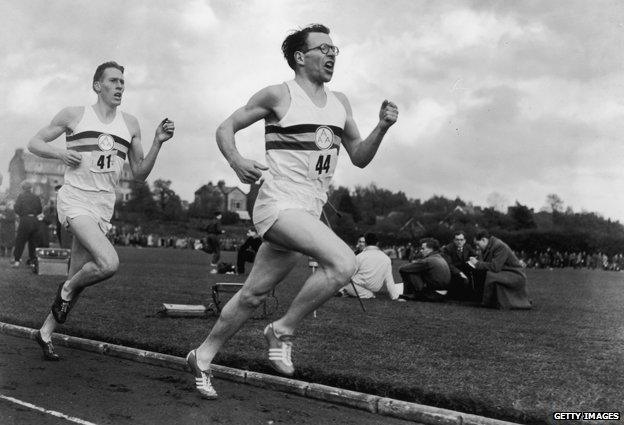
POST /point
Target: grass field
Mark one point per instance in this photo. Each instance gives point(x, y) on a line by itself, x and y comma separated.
point(564, 355)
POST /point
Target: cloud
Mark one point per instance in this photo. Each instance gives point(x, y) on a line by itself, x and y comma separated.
point(520, 98)
point(199, 16)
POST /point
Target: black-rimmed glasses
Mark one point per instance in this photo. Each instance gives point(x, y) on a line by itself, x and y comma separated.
point(325, 49)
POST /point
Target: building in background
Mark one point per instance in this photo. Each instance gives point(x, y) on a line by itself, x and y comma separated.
point(210, 198)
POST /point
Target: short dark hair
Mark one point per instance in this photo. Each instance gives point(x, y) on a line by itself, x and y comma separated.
point(459, 232)
point(432, 243)
point(297, 40)
point(371, 238)
point(99, 71)
point(482, 234)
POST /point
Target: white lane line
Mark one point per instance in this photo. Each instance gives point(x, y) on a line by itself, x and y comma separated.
point(49, 412)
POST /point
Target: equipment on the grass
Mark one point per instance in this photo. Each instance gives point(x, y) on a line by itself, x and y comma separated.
point(269, 306)
point(52, 261)
point(184, 310)
point(219, 288)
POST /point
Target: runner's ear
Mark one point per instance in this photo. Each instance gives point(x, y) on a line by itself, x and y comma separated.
point(299, 57)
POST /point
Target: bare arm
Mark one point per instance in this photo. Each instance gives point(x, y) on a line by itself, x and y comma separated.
point(260, 106)
point(141, 165)
point(63, 122)
point(361, 151)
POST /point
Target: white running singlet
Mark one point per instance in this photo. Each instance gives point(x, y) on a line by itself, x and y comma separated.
point(301, 153)
point(104, 148)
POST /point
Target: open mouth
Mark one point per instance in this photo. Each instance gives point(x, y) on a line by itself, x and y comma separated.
point(329, 65)
point(117, 96)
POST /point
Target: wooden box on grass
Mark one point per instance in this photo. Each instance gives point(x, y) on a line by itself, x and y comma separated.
point(52, 261)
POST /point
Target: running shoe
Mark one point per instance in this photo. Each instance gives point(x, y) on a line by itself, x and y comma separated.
point(60, 307)
point(280, 351)
point(202, 377)
point(47, 347)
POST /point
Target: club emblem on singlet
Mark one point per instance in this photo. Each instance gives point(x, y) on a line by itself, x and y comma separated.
point(105, 142)
point(324, 137)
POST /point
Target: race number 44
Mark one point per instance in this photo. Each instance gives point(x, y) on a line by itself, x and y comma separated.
point(323, 164)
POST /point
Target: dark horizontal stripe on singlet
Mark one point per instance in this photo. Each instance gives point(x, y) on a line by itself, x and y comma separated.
point(95, 135)
point(300, 128)
point(94, 148)
point(297, 146)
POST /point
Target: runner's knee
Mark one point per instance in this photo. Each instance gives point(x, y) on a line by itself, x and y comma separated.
point(342, 269)
point(108, 266)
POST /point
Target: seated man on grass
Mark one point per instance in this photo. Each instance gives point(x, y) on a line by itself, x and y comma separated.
point(359, 246)
point(505, 282)
point(423, 278)
point(374, 269)
point(457, 253)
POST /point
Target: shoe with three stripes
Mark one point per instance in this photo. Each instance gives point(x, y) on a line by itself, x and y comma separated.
point(280, 351)
point(202, 377)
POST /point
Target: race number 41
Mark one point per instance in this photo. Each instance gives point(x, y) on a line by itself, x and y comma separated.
point(102, 163)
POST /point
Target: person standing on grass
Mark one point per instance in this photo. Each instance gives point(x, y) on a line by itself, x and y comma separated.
point(7, 228)
point(213, 241)
point(99, 138)
point(27, 207)
point(305, 126)
point(248, 250)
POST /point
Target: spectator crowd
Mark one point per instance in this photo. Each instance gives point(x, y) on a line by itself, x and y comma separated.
point(35, 226)
point(135, 237)
point(547, 259)
point(553, 259)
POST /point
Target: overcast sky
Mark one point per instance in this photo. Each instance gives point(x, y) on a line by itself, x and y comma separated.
point(515, 98)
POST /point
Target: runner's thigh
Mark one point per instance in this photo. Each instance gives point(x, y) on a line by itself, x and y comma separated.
point(299, 231)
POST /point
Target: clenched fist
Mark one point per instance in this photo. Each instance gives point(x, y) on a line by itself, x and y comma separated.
point(388, 114)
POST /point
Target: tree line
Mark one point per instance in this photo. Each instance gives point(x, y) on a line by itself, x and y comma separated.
point(399, 219)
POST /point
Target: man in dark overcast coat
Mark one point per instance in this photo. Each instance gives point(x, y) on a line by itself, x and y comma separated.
point(505, 282)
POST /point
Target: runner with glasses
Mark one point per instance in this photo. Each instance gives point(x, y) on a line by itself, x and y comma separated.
point(306, 126)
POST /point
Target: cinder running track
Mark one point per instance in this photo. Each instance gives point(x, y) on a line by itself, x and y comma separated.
point(88, 388)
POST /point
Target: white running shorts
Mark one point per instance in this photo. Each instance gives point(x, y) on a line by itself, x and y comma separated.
point(72, 202)
point(278, 195)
